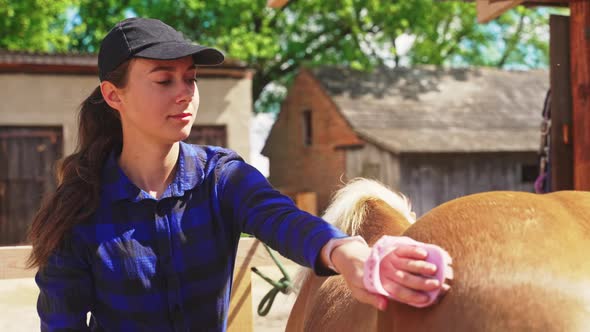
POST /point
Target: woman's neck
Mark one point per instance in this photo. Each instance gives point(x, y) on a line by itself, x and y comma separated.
point(150, 167)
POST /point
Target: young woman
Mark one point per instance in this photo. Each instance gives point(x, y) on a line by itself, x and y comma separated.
point(142, 230)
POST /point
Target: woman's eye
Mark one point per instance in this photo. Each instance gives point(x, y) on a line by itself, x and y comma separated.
point(191, 80)
point(164, 82)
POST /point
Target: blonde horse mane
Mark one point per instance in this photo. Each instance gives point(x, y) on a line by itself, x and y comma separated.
point(348, 209)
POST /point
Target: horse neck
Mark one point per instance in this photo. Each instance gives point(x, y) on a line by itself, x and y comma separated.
point(381, 219)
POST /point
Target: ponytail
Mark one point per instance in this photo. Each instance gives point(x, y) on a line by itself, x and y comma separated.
point(78, 175)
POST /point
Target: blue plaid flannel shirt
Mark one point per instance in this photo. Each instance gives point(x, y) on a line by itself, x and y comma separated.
point(142, 264)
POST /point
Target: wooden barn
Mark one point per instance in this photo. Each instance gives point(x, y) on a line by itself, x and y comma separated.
point(433, 134)
point(40, 97)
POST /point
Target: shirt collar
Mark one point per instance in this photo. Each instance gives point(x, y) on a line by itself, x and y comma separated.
point(189, 174)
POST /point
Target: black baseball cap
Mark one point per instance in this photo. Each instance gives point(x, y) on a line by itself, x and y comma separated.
point(151, 39)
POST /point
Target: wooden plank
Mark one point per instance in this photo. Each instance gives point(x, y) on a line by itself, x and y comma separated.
point(240, 308)
point(488, 10)
point(251, 252)
point(307, 201)
point(580, 80)
point(561, 153)
point(12, 262)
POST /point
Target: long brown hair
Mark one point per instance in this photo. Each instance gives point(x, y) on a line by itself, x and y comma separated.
point(79, 175)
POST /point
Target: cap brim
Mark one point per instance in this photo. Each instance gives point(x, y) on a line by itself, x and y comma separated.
point(202, 55)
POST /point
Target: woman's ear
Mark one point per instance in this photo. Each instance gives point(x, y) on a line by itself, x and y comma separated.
point(110, 93)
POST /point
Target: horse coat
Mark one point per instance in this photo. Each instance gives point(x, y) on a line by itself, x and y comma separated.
point(519, 260)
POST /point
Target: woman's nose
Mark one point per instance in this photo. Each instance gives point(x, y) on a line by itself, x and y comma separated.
point(186, 93)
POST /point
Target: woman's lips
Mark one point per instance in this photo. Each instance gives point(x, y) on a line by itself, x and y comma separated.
point(181, 116)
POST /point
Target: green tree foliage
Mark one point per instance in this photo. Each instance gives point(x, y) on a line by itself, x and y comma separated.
point(360, 34)
point(93, 20)
point(34, 25)
point(518, 38)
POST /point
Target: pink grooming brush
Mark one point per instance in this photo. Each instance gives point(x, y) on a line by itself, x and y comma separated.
point(386, 245)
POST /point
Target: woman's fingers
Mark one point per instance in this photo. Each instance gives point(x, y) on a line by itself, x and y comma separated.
point(411, 259)
point(414, 266)
point(379, 302)
point(404, 294)
point(406, 276)
point(390, 276)
point(409, 251)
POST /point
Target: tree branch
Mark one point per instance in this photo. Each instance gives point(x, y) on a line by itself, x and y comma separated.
point(511, 42)
point(457, 41)
point(279, 69)
point(309, 40)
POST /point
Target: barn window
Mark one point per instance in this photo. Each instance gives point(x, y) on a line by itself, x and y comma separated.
point(307, 129)
point(529, 173)
point(208, 135)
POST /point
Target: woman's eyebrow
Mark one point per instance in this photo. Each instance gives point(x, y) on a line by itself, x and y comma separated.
point(162, 68)
point(170, 68)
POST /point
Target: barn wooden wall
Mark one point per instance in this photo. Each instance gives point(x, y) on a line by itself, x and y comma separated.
point(430, 180)
point(373, 162)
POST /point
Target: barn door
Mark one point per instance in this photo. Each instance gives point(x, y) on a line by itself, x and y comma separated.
point(27, 159)
point(208, 135)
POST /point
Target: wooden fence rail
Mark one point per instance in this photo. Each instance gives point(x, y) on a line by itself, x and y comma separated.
point(250, 253)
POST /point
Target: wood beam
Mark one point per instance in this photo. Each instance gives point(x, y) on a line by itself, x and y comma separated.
point(550, 3)
point(276, 3)
point(488, 10)
point(542, 2)
point(561, 152)
point(580, 80)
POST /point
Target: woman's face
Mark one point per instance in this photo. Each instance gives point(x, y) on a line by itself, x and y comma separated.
point(160, 101)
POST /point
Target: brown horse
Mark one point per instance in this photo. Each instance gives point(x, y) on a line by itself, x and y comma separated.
point(520, 263)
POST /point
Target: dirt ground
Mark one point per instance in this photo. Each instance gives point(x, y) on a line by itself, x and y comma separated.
point(18, 298)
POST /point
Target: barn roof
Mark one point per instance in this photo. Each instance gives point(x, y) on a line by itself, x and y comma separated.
point(429, 109)
point(86, 63)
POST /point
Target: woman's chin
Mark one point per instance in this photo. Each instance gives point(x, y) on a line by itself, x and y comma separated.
point(171, 139)
point(184, 133)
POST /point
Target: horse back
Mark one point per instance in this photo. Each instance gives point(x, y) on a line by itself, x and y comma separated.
point(519, 262)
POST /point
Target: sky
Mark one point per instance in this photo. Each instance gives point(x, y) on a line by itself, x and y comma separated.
point(259, 129)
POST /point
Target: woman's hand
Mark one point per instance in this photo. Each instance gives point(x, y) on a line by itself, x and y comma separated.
point(404, 272)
